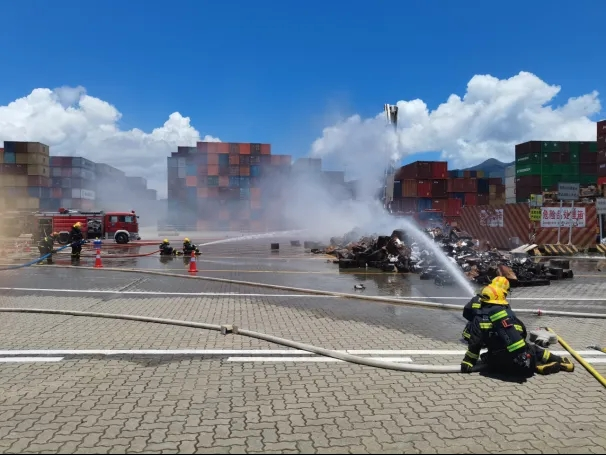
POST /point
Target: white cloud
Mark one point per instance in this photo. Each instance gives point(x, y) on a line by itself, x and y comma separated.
point(74, 123)
point(488, 121)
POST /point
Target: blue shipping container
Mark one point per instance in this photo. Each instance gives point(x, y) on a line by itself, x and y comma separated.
point(9, 157)
point(397, 189)
point(459, 196)
point(39, 192)
point(191, 170)
point(192, 194)
point(234, 182)
point(424, 203)
point(212, 180)
point(483, 186)
point(244, 182)
point(473, 174)
point(255, 171)
point(223, 160)
point(244, 193)
point(9, 147)
point(200, 160)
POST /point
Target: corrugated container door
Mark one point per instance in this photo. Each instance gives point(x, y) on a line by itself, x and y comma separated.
point(397, 189)
point(440, 204)
point(265, 149)
point(439, 169)
point(255, 171)
point(471, 199)
point(424, 189)
point(439, 188)
point(424, 204)
point(409, 188)
point(454, 207)
point(234, 160)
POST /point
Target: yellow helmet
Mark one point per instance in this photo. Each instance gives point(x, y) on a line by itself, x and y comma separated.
point(165, 241)
point(78, 225)
point(502, 283)
point(493, 294)
point(185, 240)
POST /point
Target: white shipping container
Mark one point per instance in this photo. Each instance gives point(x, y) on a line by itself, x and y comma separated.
point(510, 182)
point(181, 162)
point(181, 172)
point(510, 192)
point(510, 171)
point(510, 200)
point(78, 193)
point(66, 203)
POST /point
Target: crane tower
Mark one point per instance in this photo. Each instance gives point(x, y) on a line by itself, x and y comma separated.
point(391, 113)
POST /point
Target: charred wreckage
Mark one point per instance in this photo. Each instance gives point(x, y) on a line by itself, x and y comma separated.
point(403, 253)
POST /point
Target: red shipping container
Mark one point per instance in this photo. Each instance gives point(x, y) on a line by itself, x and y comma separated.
point(500, 189)
point(453, 207)
point(601, 181)
point(223, 148)
point(601, 156)
point(588, 157)
point(213, 169)
point(482, 199)
point(213, 159)
point(265, 149)
point(424, 188)
point(601, 169)
point(212, 148)
point(588, 168)
point(470, 185)
point(471, 198)
point(439, 169)
point(409, 188)
point(244, 149)
point(234, 159)
point(440, 204)
point(57, 193)
point(419, 170)
point(38, 180)
point(495, 181)
point(439, 188)
point(456, 185)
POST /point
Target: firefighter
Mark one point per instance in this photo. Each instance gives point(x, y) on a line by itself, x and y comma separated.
point(189, 247)
point(475, 304)
point(496, 327)
point(76, 238)
point(45, 246)
point(166, 249)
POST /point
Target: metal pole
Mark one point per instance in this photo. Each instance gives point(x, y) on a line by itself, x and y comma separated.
point(571, 224)
point(560, 222)
point(600, 217)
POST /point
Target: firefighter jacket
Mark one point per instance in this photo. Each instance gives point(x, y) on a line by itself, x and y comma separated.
point(46, 243)
point(75, 235)
point(497, 328)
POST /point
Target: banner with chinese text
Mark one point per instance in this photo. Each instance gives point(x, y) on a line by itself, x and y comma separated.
point(491, 218)
point(552, 218)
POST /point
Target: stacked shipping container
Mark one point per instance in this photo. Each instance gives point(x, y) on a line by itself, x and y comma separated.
point(541, 165)
point(24, 175)
point(72, 184)
point(218, 185)
point(601, 154)
point(510, 184)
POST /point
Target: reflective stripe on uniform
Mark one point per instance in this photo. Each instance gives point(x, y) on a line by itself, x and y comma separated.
point(475, 306)
point(471, 355)
point(515, 346)
point(486, 325)
point(546, 355)
point(467, 363)
point(518, 327)
point(497, 316)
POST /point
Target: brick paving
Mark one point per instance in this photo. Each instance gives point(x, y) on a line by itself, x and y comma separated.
point(207, 404)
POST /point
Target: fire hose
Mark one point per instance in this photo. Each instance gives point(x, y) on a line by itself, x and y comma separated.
point(121, 256)
point(35, 261)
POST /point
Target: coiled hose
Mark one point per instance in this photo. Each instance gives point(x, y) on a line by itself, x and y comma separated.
point(261, 336)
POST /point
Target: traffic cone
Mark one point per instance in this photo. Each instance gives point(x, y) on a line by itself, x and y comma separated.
point(98, 264)
point(193, 268)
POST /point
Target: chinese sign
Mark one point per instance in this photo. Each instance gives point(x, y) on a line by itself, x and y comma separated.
point(565, 217)
point(535, 214)
point(600, 205)
point(491, 218)
point(536, 200)
point(568, 191)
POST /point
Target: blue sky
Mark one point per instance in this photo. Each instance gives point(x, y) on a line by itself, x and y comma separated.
point(279, 71)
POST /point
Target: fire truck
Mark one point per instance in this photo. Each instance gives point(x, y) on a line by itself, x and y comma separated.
point(123, 227)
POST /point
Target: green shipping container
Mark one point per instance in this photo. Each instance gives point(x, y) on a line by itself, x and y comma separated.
point(588, 179)
point(575, 157)
point(533, 158)
point(549, 180)
point(559, 169)
point(551, 146)
point(593, 147)
point(573, 147)
point(530, 169)
point(213, 180)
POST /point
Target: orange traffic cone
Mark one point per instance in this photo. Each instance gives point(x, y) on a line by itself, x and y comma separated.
point(98, 264)
point(193, 268)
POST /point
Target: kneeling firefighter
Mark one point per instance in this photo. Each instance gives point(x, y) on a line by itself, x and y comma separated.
point(45, 246)
point(76, 238)
point(189, 247)
point(475, 304)
point(496, 327)
point(166, 249)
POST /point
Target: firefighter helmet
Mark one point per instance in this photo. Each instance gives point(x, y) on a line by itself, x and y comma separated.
point(493, 294)
point(502, 283)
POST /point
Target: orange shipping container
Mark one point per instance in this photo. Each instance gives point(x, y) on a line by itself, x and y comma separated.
point(234, 159)
point(223, 148)
point(213, 192)
point(245, 170)
point(244, 149)
point(213, 147)
point(191, 180)
point(213, 169)
point(223, 181)
point(202, 193)
point(265, 149)
point(255, 204)
point(213, 158)
point(409, 188)
point(255, 193)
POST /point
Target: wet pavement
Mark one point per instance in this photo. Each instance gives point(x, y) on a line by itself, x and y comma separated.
point(114, 386)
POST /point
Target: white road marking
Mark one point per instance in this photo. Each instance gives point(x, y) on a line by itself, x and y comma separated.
point(29, 359)
point(311, 359)
point(166, 294)
point(596, 360)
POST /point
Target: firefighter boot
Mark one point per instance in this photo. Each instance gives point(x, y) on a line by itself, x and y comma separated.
point(566, 365)
point(548, 368)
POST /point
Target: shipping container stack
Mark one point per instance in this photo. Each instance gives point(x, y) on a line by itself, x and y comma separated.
point(541, 165)
point(423, 185)
point(73, 184)
point(601, 156)
point(510, 184)
point(222, 186)
point(24, 175)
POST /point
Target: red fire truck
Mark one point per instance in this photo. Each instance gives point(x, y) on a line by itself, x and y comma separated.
point(120, 226)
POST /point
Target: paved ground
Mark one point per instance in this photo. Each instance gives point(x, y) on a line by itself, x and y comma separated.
point(199, 391)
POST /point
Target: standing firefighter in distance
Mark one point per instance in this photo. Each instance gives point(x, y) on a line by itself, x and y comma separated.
point(496, 327)
point(189, 247)
point(76, 238)
point(45, 246)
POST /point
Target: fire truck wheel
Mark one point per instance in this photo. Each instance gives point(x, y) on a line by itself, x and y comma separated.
point(121, 238)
